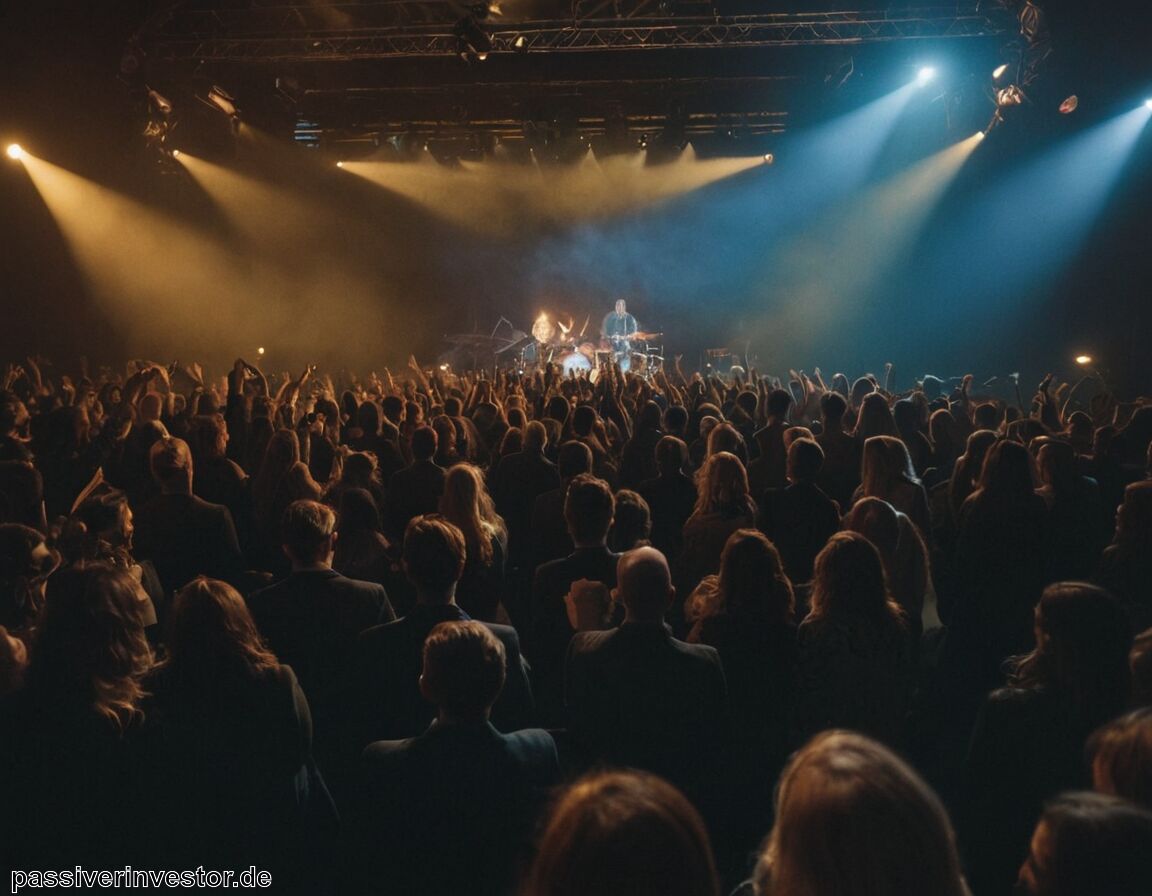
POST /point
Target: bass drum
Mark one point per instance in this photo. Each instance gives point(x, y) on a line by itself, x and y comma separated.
point(575, 363)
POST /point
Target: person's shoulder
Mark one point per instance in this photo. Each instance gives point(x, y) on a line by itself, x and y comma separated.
point(381, 755)
point(341, 583)
point(589, 642)
point(506, 633)
point(703, 653)
point(530, 742)
point(377, 636)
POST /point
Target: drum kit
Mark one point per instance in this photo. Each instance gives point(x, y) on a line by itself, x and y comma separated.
point(637, 354)
point(576, 355)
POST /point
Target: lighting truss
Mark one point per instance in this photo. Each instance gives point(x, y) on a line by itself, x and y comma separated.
point(410, 28)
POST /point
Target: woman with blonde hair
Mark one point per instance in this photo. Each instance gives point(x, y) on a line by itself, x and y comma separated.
point(853, 819)
point(468, 506)
point(723, 505)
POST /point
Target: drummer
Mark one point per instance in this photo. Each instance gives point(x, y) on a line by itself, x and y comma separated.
point(618, 329)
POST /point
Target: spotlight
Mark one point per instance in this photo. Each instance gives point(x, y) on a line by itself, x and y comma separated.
point(1083, 360)
point(161, 103)
point(219, 98)
point(1148, 103)
point(175, 153)
point(520, 44)
point(15, 151)
point(339, 164)
point(260, 350)
point(998, 72)
point(769, 158)
point(926, 74)
point(1009, 96)
point(472, 41)
point(1069, 105)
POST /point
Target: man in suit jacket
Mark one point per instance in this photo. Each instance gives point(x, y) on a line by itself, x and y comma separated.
point(182, 535)
point(453, 809)
point(800, 518)
point(417, 488)
point(638, 697)
point(311, 619)
point(384, 699)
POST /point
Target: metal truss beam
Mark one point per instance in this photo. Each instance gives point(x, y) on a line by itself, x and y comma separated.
point(295, 40)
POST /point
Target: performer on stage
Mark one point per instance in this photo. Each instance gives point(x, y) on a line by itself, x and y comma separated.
point(618, 329)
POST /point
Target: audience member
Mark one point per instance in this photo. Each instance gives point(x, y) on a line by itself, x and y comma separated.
point(452, 810)
point(1089, 843)
point(800, 519)
point(384, 695)
point(638, 697)
point(227, 750)
point(624, 833)
point(820, 844)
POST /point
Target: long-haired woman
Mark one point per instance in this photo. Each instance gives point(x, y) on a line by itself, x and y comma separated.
point(229, 744)
point(853, 819)
point(1029, 739)
point(723, 505)
point(855, 653)
point(468, 506)
point(66, 739)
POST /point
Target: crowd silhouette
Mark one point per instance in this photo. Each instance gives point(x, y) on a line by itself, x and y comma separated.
point(540, 634)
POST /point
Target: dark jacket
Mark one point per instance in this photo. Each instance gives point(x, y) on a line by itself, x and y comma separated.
point(185, 537)
point(311, 621)
point(384, 700)
point(452, 810)
point(638, 697)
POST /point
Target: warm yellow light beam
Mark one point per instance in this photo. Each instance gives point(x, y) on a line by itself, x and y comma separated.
point(15, 151)
point(172, 288)
point(500, 200)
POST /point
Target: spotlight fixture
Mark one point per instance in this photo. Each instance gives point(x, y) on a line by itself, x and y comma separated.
point(260, 350)
point(339, 164)
point(999, 71)
point(926, 74)
point(1148, 103)
point(219, 98)
point(175, 153)
point(163, 106)
point(472, 41)
point(1069, 105)
point(520, 44)
point(769, 158)
point(1083, 360)
point(1009, 96)
point(15, 151)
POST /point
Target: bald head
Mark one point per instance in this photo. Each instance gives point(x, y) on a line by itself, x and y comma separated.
point(644, 584)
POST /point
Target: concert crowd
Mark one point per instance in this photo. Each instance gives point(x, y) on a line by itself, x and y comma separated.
point(539, 633)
